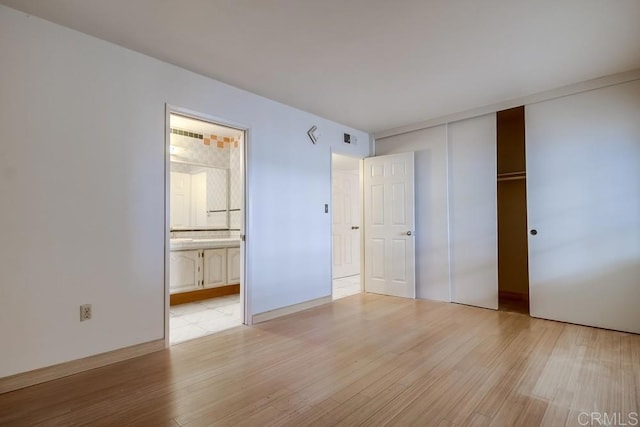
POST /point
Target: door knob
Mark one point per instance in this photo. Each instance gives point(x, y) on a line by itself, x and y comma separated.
point(409, 233)
point(355, 227)
point(533, 232)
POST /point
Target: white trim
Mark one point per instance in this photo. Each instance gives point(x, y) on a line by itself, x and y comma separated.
point(290, 309)
point(331, 153)
point(49, 373)
point(244, 220)
point(571, 89)
point(448, 175)
point(206, 117)
point(167, 225)
point(361, 195)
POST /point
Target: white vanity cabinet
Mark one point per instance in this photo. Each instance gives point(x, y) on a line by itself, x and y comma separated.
point(186, 271)
point(215, 268)
point(191, 270)
point(233, 266)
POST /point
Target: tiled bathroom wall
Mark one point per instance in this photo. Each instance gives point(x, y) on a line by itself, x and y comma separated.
point(218, 152)
point(234, 178)
point(217, 197)
point(197, 150)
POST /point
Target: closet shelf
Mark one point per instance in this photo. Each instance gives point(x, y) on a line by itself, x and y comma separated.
point(512, 176)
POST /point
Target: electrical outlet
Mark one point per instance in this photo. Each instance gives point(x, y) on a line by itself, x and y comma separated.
point(85, 312)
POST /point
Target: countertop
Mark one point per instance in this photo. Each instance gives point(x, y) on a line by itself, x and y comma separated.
point(181, 244)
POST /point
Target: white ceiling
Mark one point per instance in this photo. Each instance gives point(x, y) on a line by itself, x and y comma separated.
point(371, 64)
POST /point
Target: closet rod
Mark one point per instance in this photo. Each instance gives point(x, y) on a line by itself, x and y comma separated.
point(512, 178)
point(512, 173)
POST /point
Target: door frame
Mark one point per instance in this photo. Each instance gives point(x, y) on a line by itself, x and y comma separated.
point(361, 206)
point(245, 286)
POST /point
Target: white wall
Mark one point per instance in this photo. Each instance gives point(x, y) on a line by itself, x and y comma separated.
point(82, 128)
point(431, 234)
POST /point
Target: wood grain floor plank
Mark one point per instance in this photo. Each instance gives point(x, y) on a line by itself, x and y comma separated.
point(362, 360)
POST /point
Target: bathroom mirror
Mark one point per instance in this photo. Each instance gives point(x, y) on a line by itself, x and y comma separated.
point(199, 197)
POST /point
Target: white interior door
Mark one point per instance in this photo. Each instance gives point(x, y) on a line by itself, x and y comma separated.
point(389, 225)
point(583, 198)
point(346, 223)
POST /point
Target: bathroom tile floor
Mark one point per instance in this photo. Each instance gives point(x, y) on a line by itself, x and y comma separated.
point(346, 286)
point(200, 318)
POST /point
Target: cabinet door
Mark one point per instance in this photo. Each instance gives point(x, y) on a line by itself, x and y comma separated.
point(215, 268)
point(233, 266)
point(185, 271)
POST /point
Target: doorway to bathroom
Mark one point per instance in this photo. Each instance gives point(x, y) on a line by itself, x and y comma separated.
point(346, 197)
point(205, 226)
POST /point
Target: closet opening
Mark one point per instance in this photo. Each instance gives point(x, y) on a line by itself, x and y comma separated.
point(513, 267)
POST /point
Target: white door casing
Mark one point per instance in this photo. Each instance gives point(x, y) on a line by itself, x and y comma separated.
point(240, 217)
point(389, 225)
point(346, 223)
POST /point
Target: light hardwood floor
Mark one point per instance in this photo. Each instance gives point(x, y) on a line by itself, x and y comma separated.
point(362, 360)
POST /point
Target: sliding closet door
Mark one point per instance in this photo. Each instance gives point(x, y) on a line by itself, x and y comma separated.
point(473, 211)
point(583, 188)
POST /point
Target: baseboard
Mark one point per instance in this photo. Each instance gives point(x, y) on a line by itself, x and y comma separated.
point(513, 296)
point(49, 373)
point(202, 294)
point(290, 309)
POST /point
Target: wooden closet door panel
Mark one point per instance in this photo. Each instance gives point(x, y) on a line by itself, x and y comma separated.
point(583, 189)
